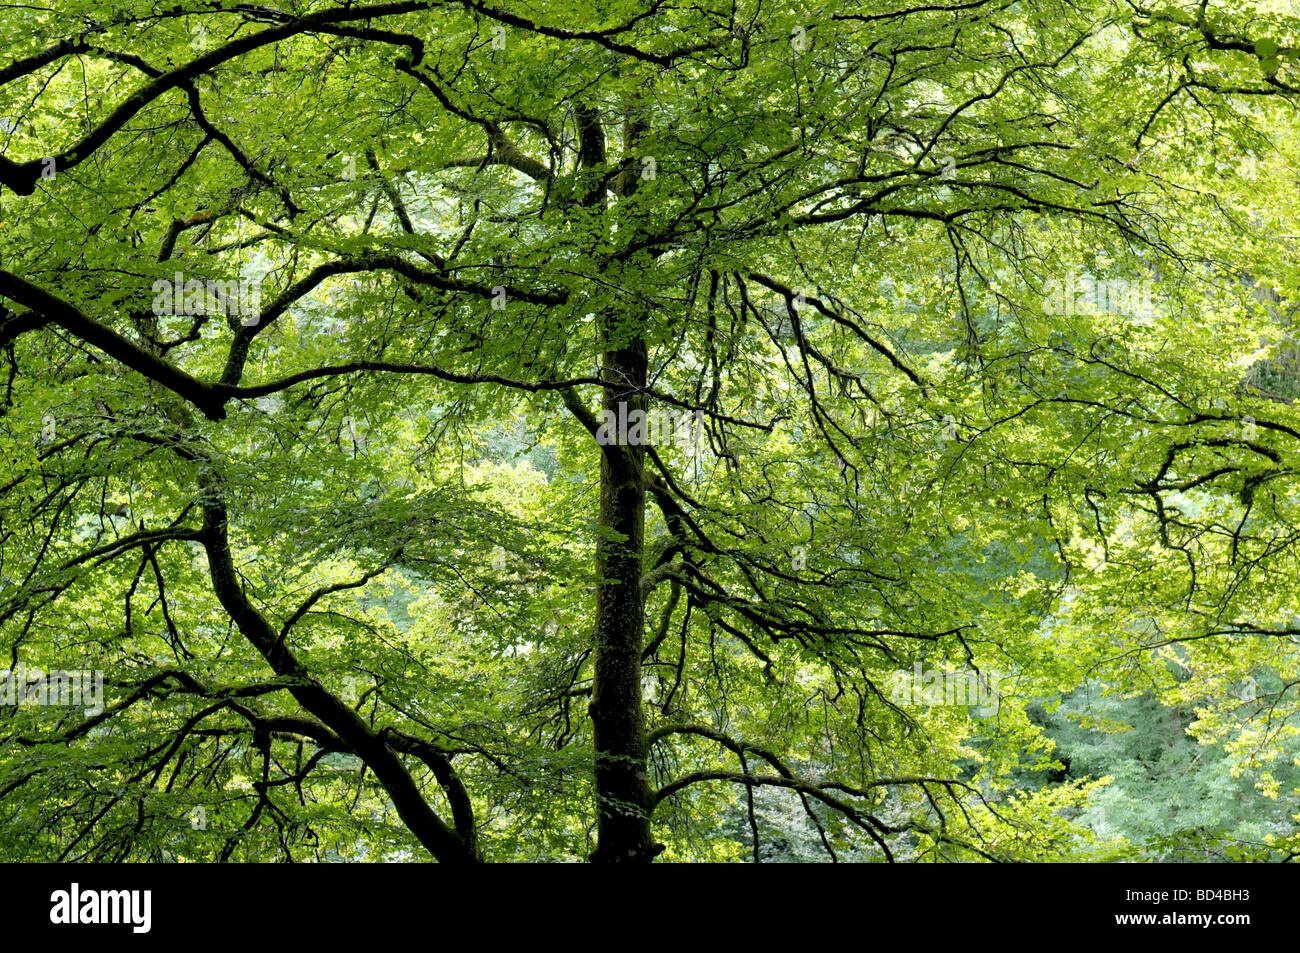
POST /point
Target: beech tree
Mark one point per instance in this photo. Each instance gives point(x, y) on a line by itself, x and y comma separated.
point(493, 431)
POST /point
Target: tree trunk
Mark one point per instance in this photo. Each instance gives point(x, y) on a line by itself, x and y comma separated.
point(622, 788)
point(623, 797)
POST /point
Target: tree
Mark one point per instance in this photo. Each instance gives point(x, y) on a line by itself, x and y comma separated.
point(281, 283)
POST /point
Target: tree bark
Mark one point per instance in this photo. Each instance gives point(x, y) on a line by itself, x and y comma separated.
point(622, 787)
point(623, 796)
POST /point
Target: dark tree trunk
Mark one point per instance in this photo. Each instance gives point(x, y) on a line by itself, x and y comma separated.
point(622, 788)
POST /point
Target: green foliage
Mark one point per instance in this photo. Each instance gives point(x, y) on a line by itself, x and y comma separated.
point(985, 313)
